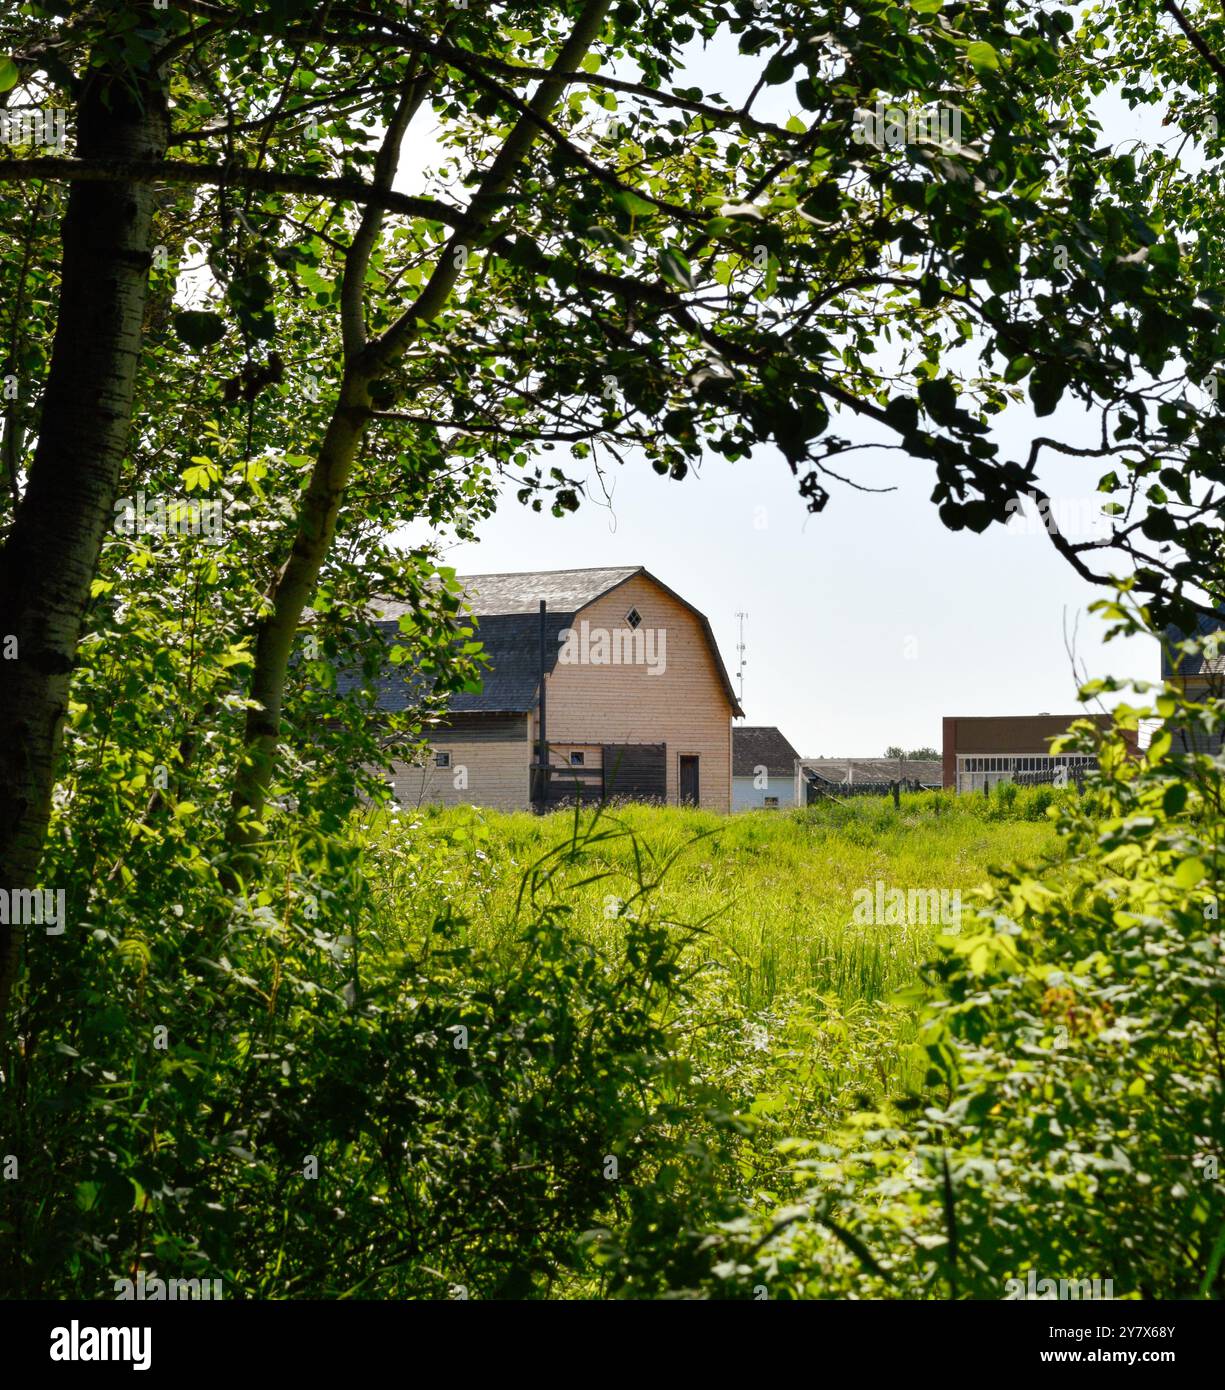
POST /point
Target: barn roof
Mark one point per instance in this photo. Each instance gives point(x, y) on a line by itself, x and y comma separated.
point(497, 595)
point(565, 591)
point(761, 745)
point(507, 612)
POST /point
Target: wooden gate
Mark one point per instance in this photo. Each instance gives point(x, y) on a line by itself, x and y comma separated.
point(636, 772)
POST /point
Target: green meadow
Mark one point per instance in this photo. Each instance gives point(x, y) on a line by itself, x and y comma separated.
point(773, 892)
point(769, 898)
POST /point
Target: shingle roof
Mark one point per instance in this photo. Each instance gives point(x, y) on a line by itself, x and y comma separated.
point(507, 609)
point(566, 591)
point(512, 644)
point(761, 745)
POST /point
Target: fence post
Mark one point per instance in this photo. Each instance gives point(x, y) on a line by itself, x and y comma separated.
point(986, 787)
point(897, 795)
point(542, 791)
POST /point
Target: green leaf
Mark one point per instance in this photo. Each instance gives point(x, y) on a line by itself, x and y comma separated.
point(198, 328)
point(1045, 388)
point(983, 56)
point(201, 475)
point(8, 74)
point(1018, 368)
point(673, 266)
point(631, 203)
point(1189, 873)
point(939, 399)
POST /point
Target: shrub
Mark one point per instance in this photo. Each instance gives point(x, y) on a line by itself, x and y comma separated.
point(1072, 1122)
point(416, 1123)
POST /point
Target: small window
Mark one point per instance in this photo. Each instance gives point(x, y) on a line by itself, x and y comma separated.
point(772, 801)
point(442, 760)
point(634, 618)
point(576, 760)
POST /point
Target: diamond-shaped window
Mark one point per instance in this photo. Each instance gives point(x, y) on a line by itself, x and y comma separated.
point(634, 618)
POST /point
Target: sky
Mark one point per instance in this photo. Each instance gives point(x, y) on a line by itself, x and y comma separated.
point(868, 623)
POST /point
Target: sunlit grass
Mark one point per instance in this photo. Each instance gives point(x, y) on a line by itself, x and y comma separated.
point(775, 892)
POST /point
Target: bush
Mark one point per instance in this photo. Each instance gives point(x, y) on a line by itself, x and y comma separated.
point(1072, 1124)
point(416, 1124)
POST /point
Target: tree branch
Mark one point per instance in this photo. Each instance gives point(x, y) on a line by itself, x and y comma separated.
point(1195, 38)
point(351, 190)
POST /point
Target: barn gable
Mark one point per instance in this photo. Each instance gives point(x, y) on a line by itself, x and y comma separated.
point(661, 730)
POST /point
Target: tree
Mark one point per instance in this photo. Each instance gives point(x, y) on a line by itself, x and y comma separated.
point(340, 356)
point(620, 263)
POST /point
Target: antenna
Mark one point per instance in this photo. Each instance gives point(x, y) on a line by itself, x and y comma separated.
point(743, 658)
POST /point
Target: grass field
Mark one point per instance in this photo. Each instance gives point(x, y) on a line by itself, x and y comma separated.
point(774, 894)
point(774, 890)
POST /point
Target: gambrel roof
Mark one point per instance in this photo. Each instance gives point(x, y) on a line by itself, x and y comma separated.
point(507, 612)
point(565, 591)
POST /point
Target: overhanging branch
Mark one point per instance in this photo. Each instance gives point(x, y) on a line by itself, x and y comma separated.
point(351, 190)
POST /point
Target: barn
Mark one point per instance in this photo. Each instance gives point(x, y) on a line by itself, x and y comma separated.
point(1199, 677)
point(605, 684)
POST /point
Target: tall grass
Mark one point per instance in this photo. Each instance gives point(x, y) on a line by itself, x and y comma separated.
point(774, 891)
point(789, 984)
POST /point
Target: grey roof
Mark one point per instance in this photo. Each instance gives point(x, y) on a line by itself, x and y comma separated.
point(507, 610)
point(927, 770)
point(761, 745)
point(564, 590)
point(509, 683)
point(512, 644)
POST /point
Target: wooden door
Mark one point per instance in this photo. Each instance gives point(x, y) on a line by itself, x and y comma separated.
point(689, 780)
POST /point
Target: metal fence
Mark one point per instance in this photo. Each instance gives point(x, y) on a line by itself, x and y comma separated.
point(819, 786)
point(1064, 775)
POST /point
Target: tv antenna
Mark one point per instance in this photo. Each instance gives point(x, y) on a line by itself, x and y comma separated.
point(742, 658)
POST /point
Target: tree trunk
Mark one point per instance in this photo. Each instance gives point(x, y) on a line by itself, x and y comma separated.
point(291, 592)
point(51, 553)
point(318, 511)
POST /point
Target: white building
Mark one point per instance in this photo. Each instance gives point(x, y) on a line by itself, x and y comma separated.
point(763, 768)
